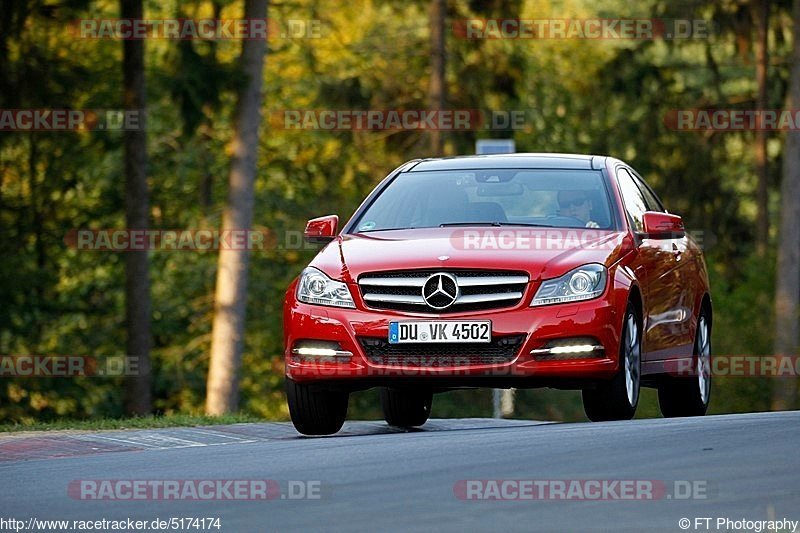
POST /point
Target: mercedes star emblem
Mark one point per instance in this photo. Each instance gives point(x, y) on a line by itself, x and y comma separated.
point(440, 290)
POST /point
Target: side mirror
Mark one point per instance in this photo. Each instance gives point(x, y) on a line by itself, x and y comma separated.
point(658, 225)
point(321, 230)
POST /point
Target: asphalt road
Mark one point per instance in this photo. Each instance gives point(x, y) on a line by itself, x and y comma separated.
point(373, 478)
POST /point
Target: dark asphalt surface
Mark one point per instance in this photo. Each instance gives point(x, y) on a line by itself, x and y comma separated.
point(374, 478)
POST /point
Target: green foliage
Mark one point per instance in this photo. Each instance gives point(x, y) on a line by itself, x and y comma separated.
point(743, 325)
point(578, 96)
point(184, 420)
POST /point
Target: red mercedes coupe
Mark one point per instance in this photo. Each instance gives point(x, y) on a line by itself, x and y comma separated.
point(516, 270)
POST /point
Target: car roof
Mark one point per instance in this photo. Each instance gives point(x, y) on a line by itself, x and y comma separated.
point(516, 160)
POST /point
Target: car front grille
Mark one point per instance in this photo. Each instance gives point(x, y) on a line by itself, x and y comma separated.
point(500, 350)
point(477, 290)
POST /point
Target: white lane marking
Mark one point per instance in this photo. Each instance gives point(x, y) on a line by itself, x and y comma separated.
point(152, 442)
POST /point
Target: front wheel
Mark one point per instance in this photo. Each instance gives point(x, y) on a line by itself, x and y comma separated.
point(406, 408)
point(689, 396)
point(617, 399)
point(316, 411)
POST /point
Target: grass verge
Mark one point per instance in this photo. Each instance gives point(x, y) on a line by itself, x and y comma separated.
point(147, 422)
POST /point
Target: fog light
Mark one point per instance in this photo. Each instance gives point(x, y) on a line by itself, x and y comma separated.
point(574, 348)
point(320, 351)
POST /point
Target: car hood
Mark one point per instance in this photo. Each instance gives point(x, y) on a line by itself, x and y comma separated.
point(541, 252)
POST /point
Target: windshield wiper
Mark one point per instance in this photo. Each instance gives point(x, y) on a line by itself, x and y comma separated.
point(384, 229)
point(528, 224)
point(494, 224)
point(449, 224)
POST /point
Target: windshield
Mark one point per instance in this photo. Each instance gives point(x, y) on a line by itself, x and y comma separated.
point(547, 198)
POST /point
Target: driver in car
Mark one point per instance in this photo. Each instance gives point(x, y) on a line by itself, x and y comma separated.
point(576, 204)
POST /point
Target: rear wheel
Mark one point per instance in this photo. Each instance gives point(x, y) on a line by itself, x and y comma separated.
point(405, 407)
point(617, 399)
point(689, 396)
point(316, 411)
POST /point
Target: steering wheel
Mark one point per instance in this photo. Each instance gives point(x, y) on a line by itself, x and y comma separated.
point(581, 223)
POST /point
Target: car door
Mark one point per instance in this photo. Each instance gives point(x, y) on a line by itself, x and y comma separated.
point(655, 267)
point(679, 320)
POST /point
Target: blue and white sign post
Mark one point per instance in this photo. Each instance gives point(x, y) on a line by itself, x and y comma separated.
point(502, 399)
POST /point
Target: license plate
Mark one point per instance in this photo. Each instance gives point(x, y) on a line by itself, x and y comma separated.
point(440, 331)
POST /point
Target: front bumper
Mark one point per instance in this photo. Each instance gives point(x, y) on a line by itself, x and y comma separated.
point(598, 319)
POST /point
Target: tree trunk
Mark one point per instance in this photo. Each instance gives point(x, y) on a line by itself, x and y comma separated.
point(787, 282)
point(436, 88)
point(231, 291)
point(138, 395)
point(761, 12)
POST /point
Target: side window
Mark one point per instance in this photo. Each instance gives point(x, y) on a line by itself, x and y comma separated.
point(634, 201)
point(650, 199)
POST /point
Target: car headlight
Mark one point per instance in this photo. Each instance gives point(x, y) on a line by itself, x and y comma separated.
point(315, 287)
point(583, 283)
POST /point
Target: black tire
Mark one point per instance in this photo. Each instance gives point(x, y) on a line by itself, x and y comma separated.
point(316, 411)
point(689, 396)
point(611, 399)
point(405, 407)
